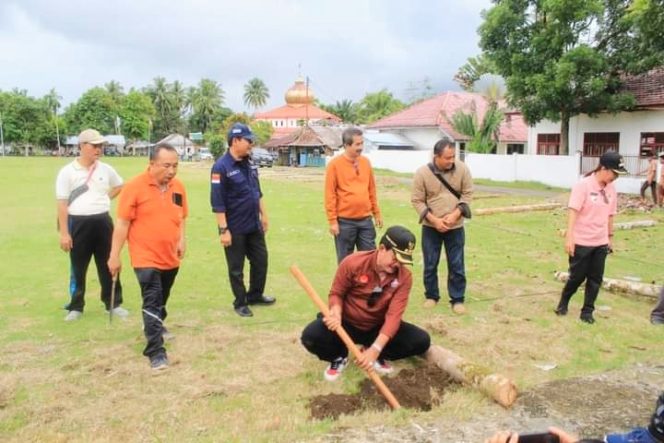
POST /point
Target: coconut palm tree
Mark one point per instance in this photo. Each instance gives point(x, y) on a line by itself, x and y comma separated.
point(206, 101)
point(52, 100)
point(255, 93)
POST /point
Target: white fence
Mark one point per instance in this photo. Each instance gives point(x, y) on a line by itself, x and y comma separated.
point(553, 170)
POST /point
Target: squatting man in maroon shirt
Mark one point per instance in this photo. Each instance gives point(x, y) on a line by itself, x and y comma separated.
point(368, 298)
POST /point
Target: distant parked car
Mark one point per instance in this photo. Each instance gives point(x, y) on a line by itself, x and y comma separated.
point(262, 157)
point(205, 154)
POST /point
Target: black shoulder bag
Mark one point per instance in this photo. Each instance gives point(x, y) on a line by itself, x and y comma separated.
point(463, 206)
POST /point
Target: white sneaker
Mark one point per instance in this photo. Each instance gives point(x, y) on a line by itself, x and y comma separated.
point(73, 315)
point(335, 368)
point(120, 312)
point(382, 367)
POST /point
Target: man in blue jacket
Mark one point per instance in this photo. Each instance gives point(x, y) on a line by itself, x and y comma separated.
point(237, 201)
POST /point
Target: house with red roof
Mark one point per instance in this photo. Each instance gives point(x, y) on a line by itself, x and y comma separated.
point(425, 122)
point(632, 133)
point(298, 111)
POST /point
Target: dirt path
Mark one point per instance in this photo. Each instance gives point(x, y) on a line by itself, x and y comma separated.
point(590, 406)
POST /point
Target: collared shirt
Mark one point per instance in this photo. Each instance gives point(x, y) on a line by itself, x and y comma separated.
point(156, 217)
point(236, 191)
point(356, 279)
point(429, 194)
point(95, 200)
point(594, 204)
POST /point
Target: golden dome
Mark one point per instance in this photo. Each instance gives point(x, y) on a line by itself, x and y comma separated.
point(298, 95)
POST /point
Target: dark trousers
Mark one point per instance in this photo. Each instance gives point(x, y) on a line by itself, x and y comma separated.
point(653, 190)
point(586, 264)
point(156, 287)
point(251, 246)
point(657, 314)
point(354, 233)
point(91, 236)
point(326, 345)
point(454, 241)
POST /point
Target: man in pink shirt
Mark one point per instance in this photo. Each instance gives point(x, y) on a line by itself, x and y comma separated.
point(592, 205)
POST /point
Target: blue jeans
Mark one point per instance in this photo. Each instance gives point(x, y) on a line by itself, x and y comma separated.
point(432, 242)
point(354, 233)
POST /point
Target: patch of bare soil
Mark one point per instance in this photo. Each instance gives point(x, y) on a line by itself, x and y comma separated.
point(590, 406)
point(418, 388)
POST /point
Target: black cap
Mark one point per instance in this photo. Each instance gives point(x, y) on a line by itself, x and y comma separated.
point(613, 161)
point(401, 241)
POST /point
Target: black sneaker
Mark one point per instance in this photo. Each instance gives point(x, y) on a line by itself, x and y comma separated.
point(262, 300)
point(159, 362)
point(336, 367)
point(587, 319)
point(560, 311)
point(244, 311)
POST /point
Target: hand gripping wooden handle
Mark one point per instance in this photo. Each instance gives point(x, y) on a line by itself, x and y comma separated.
point(311, 292)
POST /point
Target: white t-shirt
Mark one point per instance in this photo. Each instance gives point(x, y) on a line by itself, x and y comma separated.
point(658, 174)
point(95, 200)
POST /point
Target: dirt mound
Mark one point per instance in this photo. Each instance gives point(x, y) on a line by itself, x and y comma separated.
point(417, 388)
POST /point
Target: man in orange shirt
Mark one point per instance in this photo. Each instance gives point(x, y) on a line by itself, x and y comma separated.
point(151, 218)
point(350, 198)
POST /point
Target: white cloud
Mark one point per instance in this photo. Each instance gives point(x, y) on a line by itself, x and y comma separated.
point(346, 47)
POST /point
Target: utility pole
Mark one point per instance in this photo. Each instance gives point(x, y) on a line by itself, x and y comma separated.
point(57, 130)
point(2, 137)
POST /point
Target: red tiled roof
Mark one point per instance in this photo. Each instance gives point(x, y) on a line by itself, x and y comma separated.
point(648, 88)
point(297, 112)
point(438, 111)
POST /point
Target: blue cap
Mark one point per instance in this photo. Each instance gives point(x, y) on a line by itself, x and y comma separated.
point(637, 435)
point(241, 130)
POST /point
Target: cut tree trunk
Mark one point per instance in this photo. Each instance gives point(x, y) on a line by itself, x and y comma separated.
point(498, 387)
point(635, 224)
point(622, 286)
point(522, 208)
point(623, 226)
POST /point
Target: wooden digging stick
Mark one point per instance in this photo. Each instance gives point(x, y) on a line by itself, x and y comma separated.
point(343, 335)
point(114, 281)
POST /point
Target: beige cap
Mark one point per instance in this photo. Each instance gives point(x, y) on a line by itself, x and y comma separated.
point(91, 136)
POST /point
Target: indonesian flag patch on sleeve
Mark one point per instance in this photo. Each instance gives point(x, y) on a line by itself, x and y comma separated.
point(215, 179)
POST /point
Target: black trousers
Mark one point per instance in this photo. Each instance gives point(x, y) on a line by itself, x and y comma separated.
point(91, 236)
point(326, 345)
point(653, 190)
point(586, 264)
point(251, 246)
point(156, 287)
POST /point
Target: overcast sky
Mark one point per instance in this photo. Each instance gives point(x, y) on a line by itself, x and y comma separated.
point(346, 47)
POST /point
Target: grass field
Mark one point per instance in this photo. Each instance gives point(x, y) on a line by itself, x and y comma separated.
point(235, 379)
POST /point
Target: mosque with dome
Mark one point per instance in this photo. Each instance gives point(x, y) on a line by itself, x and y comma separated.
point(298, 110)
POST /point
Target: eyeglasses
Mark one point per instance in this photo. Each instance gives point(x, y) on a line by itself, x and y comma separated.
point(604, 196)
point(375, 295)
point(251, 142)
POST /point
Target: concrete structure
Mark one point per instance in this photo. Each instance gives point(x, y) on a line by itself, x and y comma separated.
point(633, 133)
point(426, 122)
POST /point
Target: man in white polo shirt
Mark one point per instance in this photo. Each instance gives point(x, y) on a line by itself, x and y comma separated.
point(84, 189)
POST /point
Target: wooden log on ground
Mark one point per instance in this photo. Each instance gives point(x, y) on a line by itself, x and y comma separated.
point(621, 286)
point(635, 224)
point(521, 208)
point(496, 386)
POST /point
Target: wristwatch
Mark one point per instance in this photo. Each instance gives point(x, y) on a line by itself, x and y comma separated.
point(222, 229)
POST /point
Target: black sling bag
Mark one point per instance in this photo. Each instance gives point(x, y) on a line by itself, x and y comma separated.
point(463, 206)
